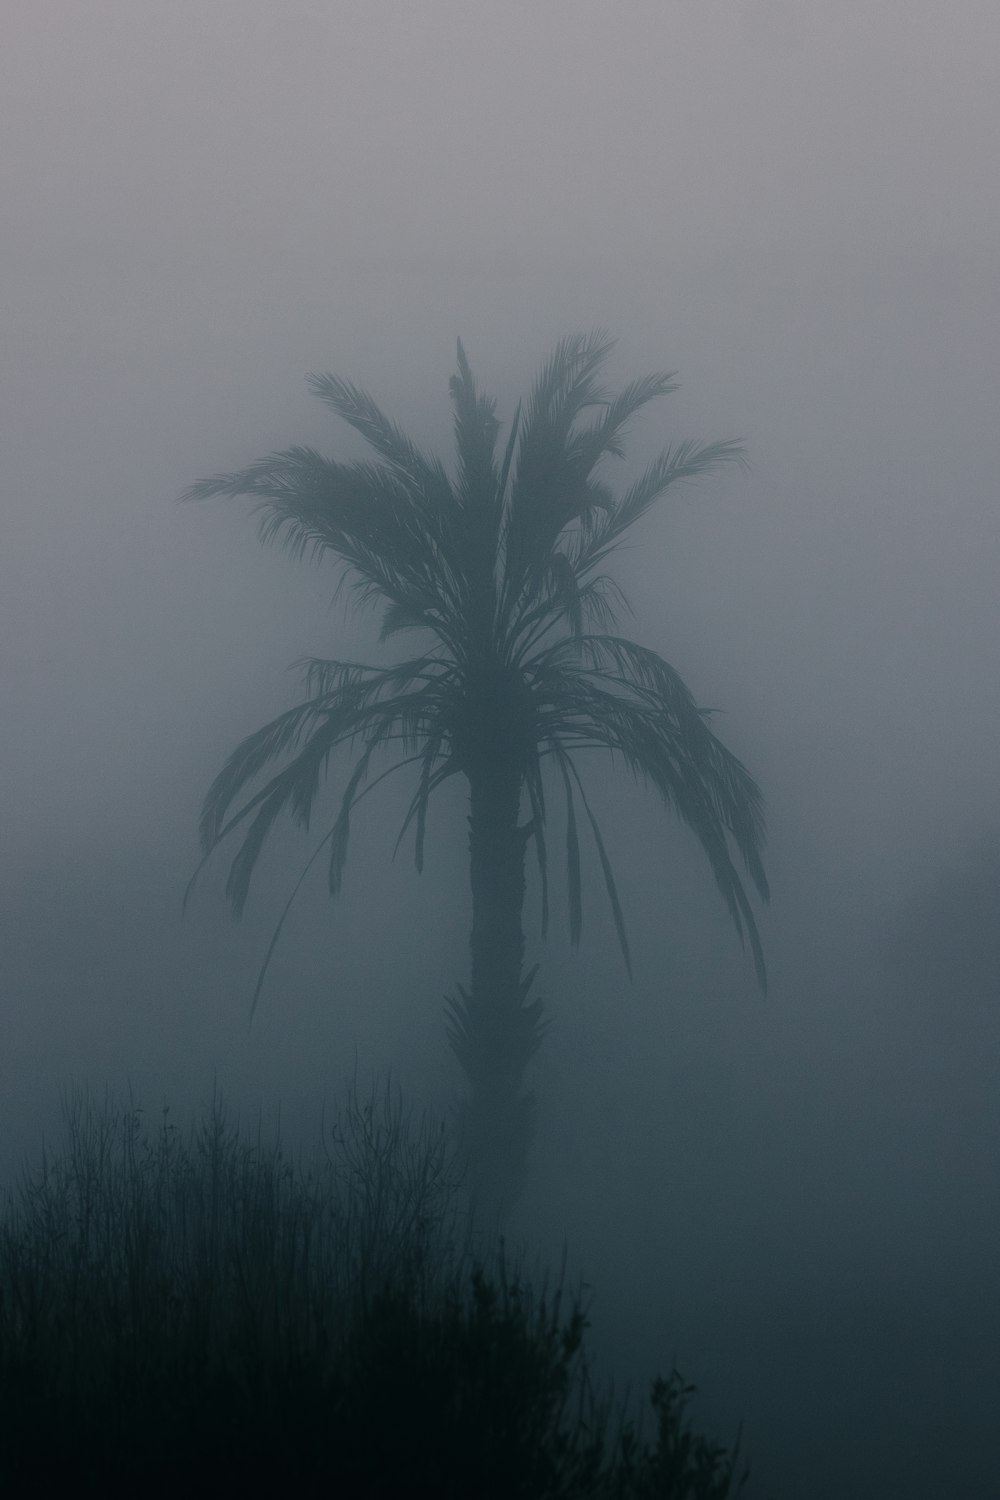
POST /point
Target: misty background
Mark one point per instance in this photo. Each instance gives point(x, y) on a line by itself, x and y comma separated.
point(794, 206)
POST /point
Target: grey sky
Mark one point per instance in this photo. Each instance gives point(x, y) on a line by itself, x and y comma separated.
point(794, 205)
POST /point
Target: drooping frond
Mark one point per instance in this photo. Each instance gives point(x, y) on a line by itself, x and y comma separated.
point(341, 696)
point(687, 460)
point(606, 433)
point(326, 679)
point(436, 766)
point(330, 835)
point(340, 831)
point(698, 780)
point(610, 884)
point(535, 831)
point(397, 617)
point(377, 708)
point(573, 884)
point(278, 794)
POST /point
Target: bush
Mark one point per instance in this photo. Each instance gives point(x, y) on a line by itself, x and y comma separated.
point(200, 1310)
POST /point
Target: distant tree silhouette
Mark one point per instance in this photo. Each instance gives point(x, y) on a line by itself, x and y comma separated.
point(499, 567)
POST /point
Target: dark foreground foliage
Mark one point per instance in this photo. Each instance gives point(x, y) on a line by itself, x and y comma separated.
point(200, 1311)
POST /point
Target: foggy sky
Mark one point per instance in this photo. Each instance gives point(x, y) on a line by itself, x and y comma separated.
point(796, 207)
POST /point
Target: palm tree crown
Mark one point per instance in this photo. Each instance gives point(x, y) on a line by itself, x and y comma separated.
point(500, 569)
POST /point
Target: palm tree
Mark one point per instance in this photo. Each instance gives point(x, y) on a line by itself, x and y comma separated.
point(499, 570)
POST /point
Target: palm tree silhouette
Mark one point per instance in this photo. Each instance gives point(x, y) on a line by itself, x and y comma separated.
point(499, 568)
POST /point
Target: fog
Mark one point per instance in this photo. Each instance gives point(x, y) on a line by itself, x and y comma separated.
point(795, 207)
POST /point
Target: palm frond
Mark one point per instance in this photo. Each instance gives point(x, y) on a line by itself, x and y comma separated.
point(573, 884)
point(609, 877)
point(605, 435)
point(340, 832)
point(430, 779)
point(361, 412)
point(397, 545)
point(276, 934)
point(550, 486)
point(246, 762)
point(686, 460)
point(676, 753)
point(329, 682)
point(508, 456)
point(242, 867)
point(640, 668)
point(563, 593)
point(536, 833)
point(405, 717)
point(476, 429)
point(397, 617)
point(566, 383)
point(603, 600)
point(343, 694)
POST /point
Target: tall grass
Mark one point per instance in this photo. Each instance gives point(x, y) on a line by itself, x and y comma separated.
point(197, 1308)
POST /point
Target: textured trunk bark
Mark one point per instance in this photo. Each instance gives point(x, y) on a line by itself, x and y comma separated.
point(496, 873)
point(495, 1031)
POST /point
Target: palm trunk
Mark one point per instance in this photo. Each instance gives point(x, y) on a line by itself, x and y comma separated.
point(494, 1030)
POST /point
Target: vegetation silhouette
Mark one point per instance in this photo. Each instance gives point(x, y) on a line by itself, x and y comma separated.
point(198, 1309)
point(500, 568)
